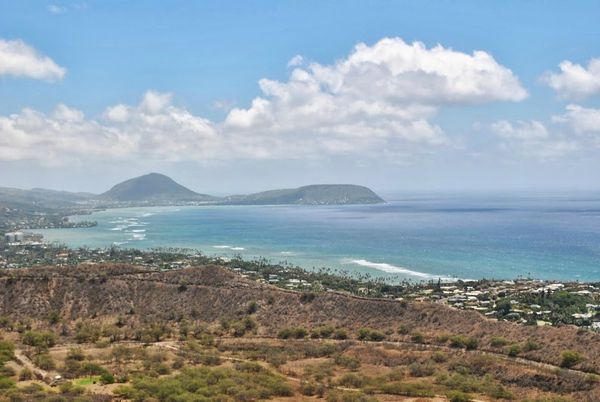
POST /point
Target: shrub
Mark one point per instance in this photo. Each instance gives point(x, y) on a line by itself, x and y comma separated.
point(531, 345)
point(439, 357)
point(307, 297)
point(76, 354)
point(498, 342)
point(570, 358)
point(312, 389)
point(348, 362)
point(107, 378)
point(86, 332)
point(7, 350)
point(25, 374)
point(421, 369)
point(513, 350)
point(471, 343)
point(252, 307)
point(44, 361)
point(458, 396)
point(417, 337)
point(293, 333)
point(408, 389)
point(344, 396)
point(367, 334)
point(461, 341)
point(325, 331)
point(352, 380)
point(6, 371)
point(39, 339)
point(340, 334)
point(442, 339)
point(89, 369)
point(6, 383)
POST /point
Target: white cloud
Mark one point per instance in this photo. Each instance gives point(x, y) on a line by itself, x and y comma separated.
point(383, 94)
point(531, 139)
point(574, 80)
point(18, 59)
point(579, 119)
point(295, 61)
point(56, 9)
point(378, 102)
point(522, 130)
point(155, 102)
point(151, 130)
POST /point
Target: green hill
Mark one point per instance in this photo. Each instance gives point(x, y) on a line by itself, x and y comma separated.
point(318, 194)
point(152, 187)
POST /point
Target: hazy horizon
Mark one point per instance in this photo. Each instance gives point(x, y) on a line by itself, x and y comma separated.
point(235, 97)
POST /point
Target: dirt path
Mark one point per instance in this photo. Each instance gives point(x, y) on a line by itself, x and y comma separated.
point(24, 361)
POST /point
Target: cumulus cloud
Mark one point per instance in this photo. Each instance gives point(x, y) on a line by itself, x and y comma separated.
point(379, 101)
point(579, 119)
point(574, 80)
point(383, 93)
point(153, 129)
point(522, 130)
point(18, 59)
point(532, 139)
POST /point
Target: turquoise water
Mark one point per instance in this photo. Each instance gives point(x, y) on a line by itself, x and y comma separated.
point(422, 238)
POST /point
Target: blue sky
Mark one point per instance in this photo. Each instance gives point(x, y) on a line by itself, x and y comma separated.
point(201, 60)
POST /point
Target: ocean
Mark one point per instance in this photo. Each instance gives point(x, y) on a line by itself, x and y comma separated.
point(417, 237)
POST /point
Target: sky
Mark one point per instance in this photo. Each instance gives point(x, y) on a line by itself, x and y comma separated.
point(238, 96)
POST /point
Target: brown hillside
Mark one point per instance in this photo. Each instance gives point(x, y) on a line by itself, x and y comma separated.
point(211, 293)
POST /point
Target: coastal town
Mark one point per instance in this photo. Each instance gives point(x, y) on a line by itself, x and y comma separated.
point(525, 301)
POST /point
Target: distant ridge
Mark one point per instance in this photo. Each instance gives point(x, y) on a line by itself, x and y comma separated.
point(158, 189)
point(154, 187)
point(316, 194)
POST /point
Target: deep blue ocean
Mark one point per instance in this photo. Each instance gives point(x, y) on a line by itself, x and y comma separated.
point(414, 237)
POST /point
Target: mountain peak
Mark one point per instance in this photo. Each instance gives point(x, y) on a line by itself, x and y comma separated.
point(150, 187)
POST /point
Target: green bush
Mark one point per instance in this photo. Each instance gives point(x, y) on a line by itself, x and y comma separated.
point(86, 332)
point(107, 378)
point(7, 351)
point(44, 361)
point(309, 388)
point(345, 396)
point(6, 383)
point(325, 331)
point(293, 333)
point(513, 350)
point(348, 362)
point(498, 342)
point(244, 382)
point(570, 358)
point(530, 346)
point(367, 334)
point(252, 307)
point(340, 334)
point(458, 396)
point(25, 374)
point(461, 341)
point(39, 339)
point(439, 357)
point(352, 380)
point(408, 389)
point(421, 369)
point(417, 337)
